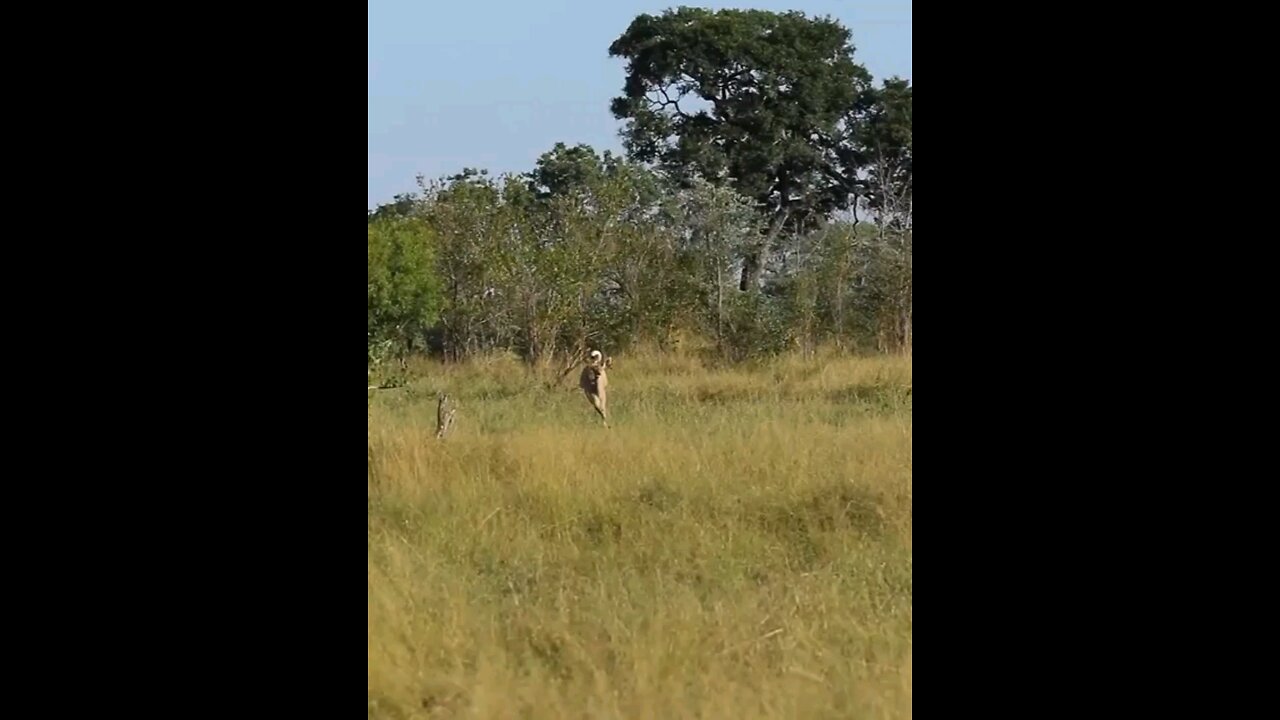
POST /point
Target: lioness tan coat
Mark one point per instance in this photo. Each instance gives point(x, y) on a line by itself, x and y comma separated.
point(594, 381)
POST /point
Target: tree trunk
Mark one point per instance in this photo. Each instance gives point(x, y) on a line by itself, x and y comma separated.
point(906, 328)
point(720, 309)
point(751, 269)
point(753, 261)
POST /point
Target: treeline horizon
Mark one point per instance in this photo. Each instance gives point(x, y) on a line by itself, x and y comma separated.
point(762, 203)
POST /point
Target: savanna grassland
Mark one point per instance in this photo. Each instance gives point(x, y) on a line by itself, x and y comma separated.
point(737, 545)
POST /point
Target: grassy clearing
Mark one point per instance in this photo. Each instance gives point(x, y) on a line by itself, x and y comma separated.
point(738, 545)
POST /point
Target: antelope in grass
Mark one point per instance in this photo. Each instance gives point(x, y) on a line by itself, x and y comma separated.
point(595, 382)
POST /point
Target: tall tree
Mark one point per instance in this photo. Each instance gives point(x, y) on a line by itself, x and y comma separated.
point(749, 98)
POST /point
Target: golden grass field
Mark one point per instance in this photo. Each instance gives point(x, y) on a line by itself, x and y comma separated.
point(737, 545)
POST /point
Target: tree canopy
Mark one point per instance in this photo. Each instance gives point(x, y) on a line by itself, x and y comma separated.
point(748, 135)
point(771, 104)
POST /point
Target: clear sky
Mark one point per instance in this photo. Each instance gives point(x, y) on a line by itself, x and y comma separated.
point(493, 84)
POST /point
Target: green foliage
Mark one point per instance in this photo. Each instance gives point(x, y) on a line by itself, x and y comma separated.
point(404, 290)
point(585, 249)
point(755, 326)
point(710, 226)
point(744, 97)
point(773, 105)
point(567, 170)
point(748, 134)
point(404, 205)
point(875, 151)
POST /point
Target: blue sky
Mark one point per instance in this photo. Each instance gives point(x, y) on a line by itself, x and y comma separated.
point(493, 84)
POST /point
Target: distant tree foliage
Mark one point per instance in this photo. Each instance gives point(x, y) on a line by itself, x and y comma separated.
point(764, 204)
point(771, 104)
point(404, 285)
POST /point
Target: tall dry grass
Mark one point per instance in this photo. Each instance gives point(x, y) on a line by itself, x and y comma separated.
point(738, 545)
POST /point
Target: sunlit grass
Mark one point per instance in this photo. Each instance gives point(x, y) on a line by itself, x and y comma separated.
point(737, 545)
